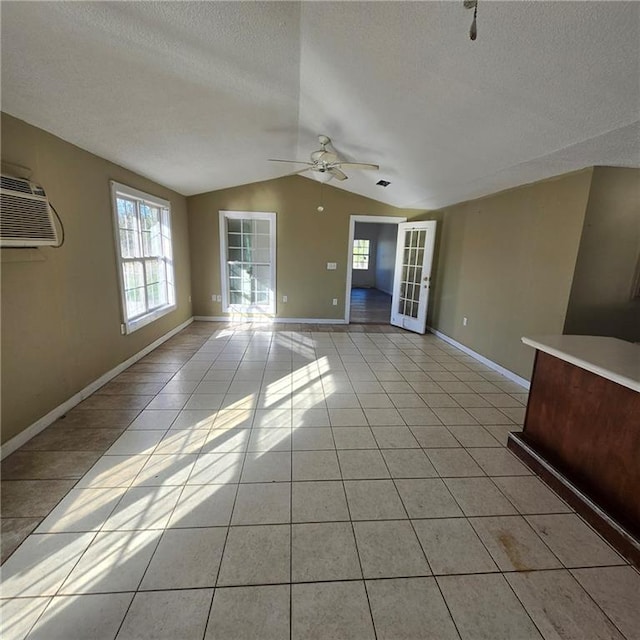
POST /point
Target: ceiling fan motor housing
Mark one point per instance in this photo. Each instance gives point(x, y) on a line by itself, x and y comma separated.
point(327, 162)
point(324, 156)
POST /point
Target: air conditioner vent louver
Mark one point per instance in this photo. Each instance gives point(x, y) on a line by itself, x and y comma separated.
point(17, 184)
point(26, 219)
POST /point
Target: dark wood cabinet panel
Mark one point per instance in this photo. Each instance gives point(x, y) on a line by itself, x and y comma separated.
point(588, 428)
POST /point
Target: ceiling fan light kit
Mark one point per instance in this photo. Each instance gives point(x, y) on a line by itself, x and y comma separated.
point(327, 163)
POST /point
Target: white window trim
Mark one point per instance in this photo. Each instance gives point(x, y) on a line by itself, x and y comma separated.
point(129, 326)
point(355, 253)
point(269, 309)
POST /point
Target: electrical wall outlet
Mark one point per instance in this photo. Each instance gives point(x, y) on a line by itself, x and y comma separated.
point(335, 302)
point(332, 266)
point(285, 298)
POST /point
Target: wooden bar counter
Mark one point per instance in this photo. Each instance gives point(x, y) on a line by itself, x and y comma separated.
point(582, 430)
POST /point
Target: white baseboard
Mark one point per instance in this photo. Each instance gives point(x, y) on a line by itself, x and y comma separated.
point(268, 320)
point(39, 425)
point(523, 382)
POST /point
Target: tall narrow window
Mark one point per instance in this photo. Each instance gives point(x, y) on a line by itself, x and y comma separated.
point(361, 254)
point(248, 261)
point(143, 240)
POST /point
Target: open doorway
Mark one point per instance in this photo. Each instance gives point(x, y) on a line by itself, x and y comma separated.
point(370, 269)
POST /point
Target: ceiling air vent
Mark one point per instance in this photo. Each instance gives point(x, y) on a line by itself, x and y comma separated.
point(26, 219)
point(383, 183)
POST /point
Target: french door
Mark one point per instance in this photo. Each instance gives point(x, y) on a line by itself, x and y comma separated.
point(412, 279)
point(248, 267)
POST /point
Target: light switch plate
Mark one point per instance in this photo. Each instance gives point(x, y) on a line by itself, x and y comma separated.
point(332, 266)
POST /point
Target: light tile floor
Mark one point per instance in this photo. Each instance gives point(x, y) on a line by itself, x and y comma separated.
point(294, 483)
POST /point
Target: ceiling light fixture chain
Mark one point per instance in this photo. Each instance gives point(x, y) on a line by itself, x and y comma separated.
point(473, 4)
point(320, 207)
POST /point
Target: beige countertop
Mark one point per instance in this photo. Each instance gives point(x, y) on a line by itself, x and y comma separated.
point(611, 358)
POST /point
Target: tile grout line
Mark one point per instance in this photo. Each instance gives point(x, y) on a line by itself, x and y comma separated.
point(327, 581)
point(164, 529)
point(355, 542)
point(424, 553)
point(501, 572)
point(564, 568)
point(226, 537)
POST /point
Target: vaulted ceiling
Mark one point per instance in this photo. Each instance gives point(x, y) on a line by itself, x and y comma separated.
point(198, 95)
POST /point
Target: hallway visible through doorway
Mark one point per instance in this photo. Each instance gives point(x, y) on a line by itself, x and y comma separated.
point(372, 266)
point(370, 306)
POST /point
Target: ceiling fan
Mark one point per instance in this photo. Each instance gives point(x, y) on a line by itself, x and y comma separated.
point(328, 162)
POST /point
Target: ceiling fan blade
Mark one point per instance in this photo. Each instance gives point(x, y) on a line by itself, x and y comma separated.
point(336, 173)
point(357, 165)
point(292, 161)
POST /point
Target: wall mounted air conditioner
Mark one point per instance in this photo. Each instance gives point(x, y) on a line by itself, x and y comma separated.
point(26, 218)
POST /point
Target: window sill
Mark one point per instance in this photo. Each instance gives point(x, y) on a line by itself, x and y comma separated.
point(143, 321)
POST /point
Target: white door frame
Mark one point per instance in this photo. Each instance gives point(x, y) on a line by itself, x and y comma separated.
point(352, 232)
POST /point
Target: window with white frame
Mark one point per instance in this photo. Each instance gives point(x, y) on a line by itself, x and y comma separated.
point(145, 259)
point(248, 261)
point(361, 249)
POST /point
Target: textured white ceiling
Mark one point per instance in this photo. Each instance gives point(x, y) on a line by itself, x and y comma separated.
point(197, 95)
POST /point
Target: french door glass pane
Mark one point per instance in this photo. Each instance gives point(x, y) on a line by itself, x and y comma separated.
point(262, 277)
point(262, 241)
point(249, 262)
point(262, 256)
point(413, 255)
point(263, 227)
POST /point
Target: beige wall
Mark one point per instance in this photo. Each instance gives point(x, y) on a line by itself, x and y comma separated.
point(506, 262)
point(306, 241)
point(61, 307)
point(600, 301)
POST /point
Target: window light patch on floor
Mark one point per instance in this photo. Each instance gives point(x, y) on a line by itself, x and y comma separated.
point(288, 428)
